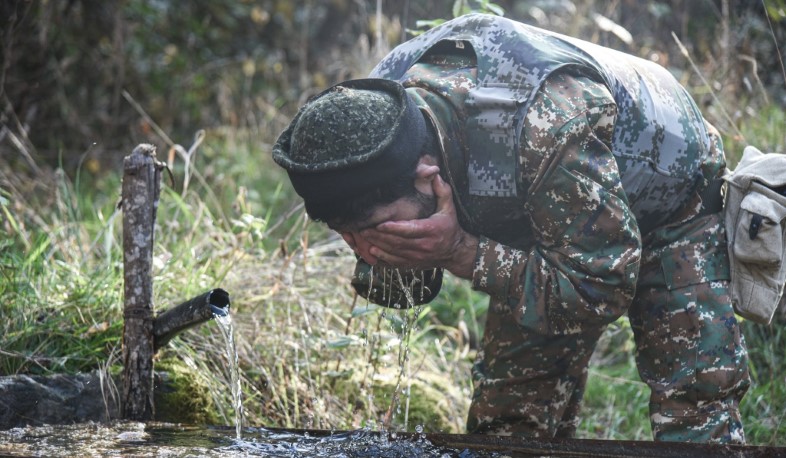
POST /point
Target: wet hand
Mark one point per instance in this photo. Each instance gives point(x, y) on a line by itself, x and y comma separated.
point(436, 241)
point(360, 246)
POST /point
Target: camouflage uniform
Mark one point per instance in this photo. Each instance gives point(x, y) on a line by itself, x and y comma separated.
point(582, 171)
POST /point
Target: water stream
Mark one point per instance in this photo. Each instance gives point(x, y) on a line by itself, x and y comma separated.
point(411, 314)
point(402, 319)
point(227, 330)
point(390, 277)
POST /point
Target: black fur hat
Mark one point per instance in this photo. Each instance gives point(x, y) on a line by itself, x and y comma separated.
point(350, 138)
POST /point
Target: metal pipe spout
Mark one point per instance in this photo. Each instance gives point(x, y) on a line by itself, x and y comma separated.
point(189, 314)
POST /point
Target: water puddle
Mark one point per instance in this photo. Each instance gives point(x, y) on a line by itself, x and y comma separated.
point(163, 439)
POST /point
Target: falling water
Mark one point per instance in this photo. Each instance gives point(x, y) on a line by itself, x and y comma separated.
point(225, 324)
point(403, 351)
point(389, 278)
point(393, 288)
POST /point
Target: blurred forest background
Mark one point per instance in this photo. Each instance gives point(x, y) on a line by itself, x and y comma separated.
point(212, 84)
point(70, 69)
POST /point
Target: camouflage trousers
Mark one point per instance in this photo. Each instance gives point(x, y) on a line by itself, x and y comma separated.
point(689, 350)
point(689, 347)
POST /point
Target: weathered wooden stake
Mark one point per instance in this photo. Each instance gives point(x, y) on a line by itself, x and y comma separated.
point(141, 189)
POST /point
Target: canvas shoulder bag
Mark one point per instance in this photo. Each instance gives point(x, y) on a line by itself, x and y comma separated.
point(755, 217)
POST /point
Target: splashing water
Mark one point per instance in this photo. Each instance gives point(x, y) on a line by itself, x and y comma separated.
point(165, 439)
point(227, 330)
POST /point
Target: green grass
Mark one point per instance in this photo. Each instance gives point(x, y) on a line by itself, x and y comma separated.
point(764, 408)
point(615, 401)
point(311, 356)
point(762, 128)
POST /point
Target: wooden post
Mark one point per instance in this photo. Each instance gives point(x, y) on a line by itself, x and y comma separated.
point(141, 188)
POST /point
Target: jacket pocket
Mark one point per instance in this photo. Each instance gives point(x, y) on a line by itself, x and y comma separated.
point(760, 227)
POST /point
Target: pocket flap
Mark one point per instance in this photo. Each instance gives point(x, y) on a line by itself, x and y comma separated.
point(765, 202)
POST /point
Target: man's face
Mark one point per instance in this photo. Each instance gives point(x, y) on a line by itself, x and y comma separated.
point(418, 206)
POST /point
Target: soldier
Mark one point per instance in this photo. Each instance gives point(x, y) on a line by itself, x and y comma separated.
point(570, 182)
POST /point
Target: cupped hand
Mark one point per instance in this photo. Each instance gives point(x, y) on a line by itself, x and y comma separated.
point(436, 241)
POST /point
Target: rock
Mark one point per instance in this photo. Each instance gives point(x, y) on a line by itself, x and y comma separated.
point(36, 400)
point(56, 399)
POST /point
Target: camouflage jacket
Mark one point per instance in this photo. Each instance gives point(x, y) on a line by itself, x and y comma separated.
point(541, 143)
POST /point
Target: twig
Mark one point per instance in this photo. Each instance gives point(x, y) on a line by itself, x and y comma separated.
point(404, 21)
point(774, 39)
point(172, 144)
point(23, 144)
point(187, 156)
point(610, 378)
point(109, 389)
point(32, 359)
point(379, 29)
point(685, 53)
point(725, 37)
point(755, 70)
point(147, 117)
point(282, 219)
point(346, 330)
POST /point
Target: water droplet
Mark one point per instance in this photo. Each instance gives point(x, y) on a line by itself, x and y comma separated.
point(419, 429)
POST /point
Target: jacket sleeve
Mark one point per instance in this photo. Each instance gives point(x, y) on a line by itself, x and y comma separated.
point(582, 267)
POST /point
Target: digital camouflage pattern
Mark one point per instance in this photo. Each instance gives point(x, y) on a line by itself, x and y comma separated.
point(689, 348)
point(565, 249)
point(659, 140)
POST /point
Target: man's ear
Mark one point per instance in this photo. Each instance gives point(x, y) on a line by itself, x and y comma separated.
point(425, 172)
